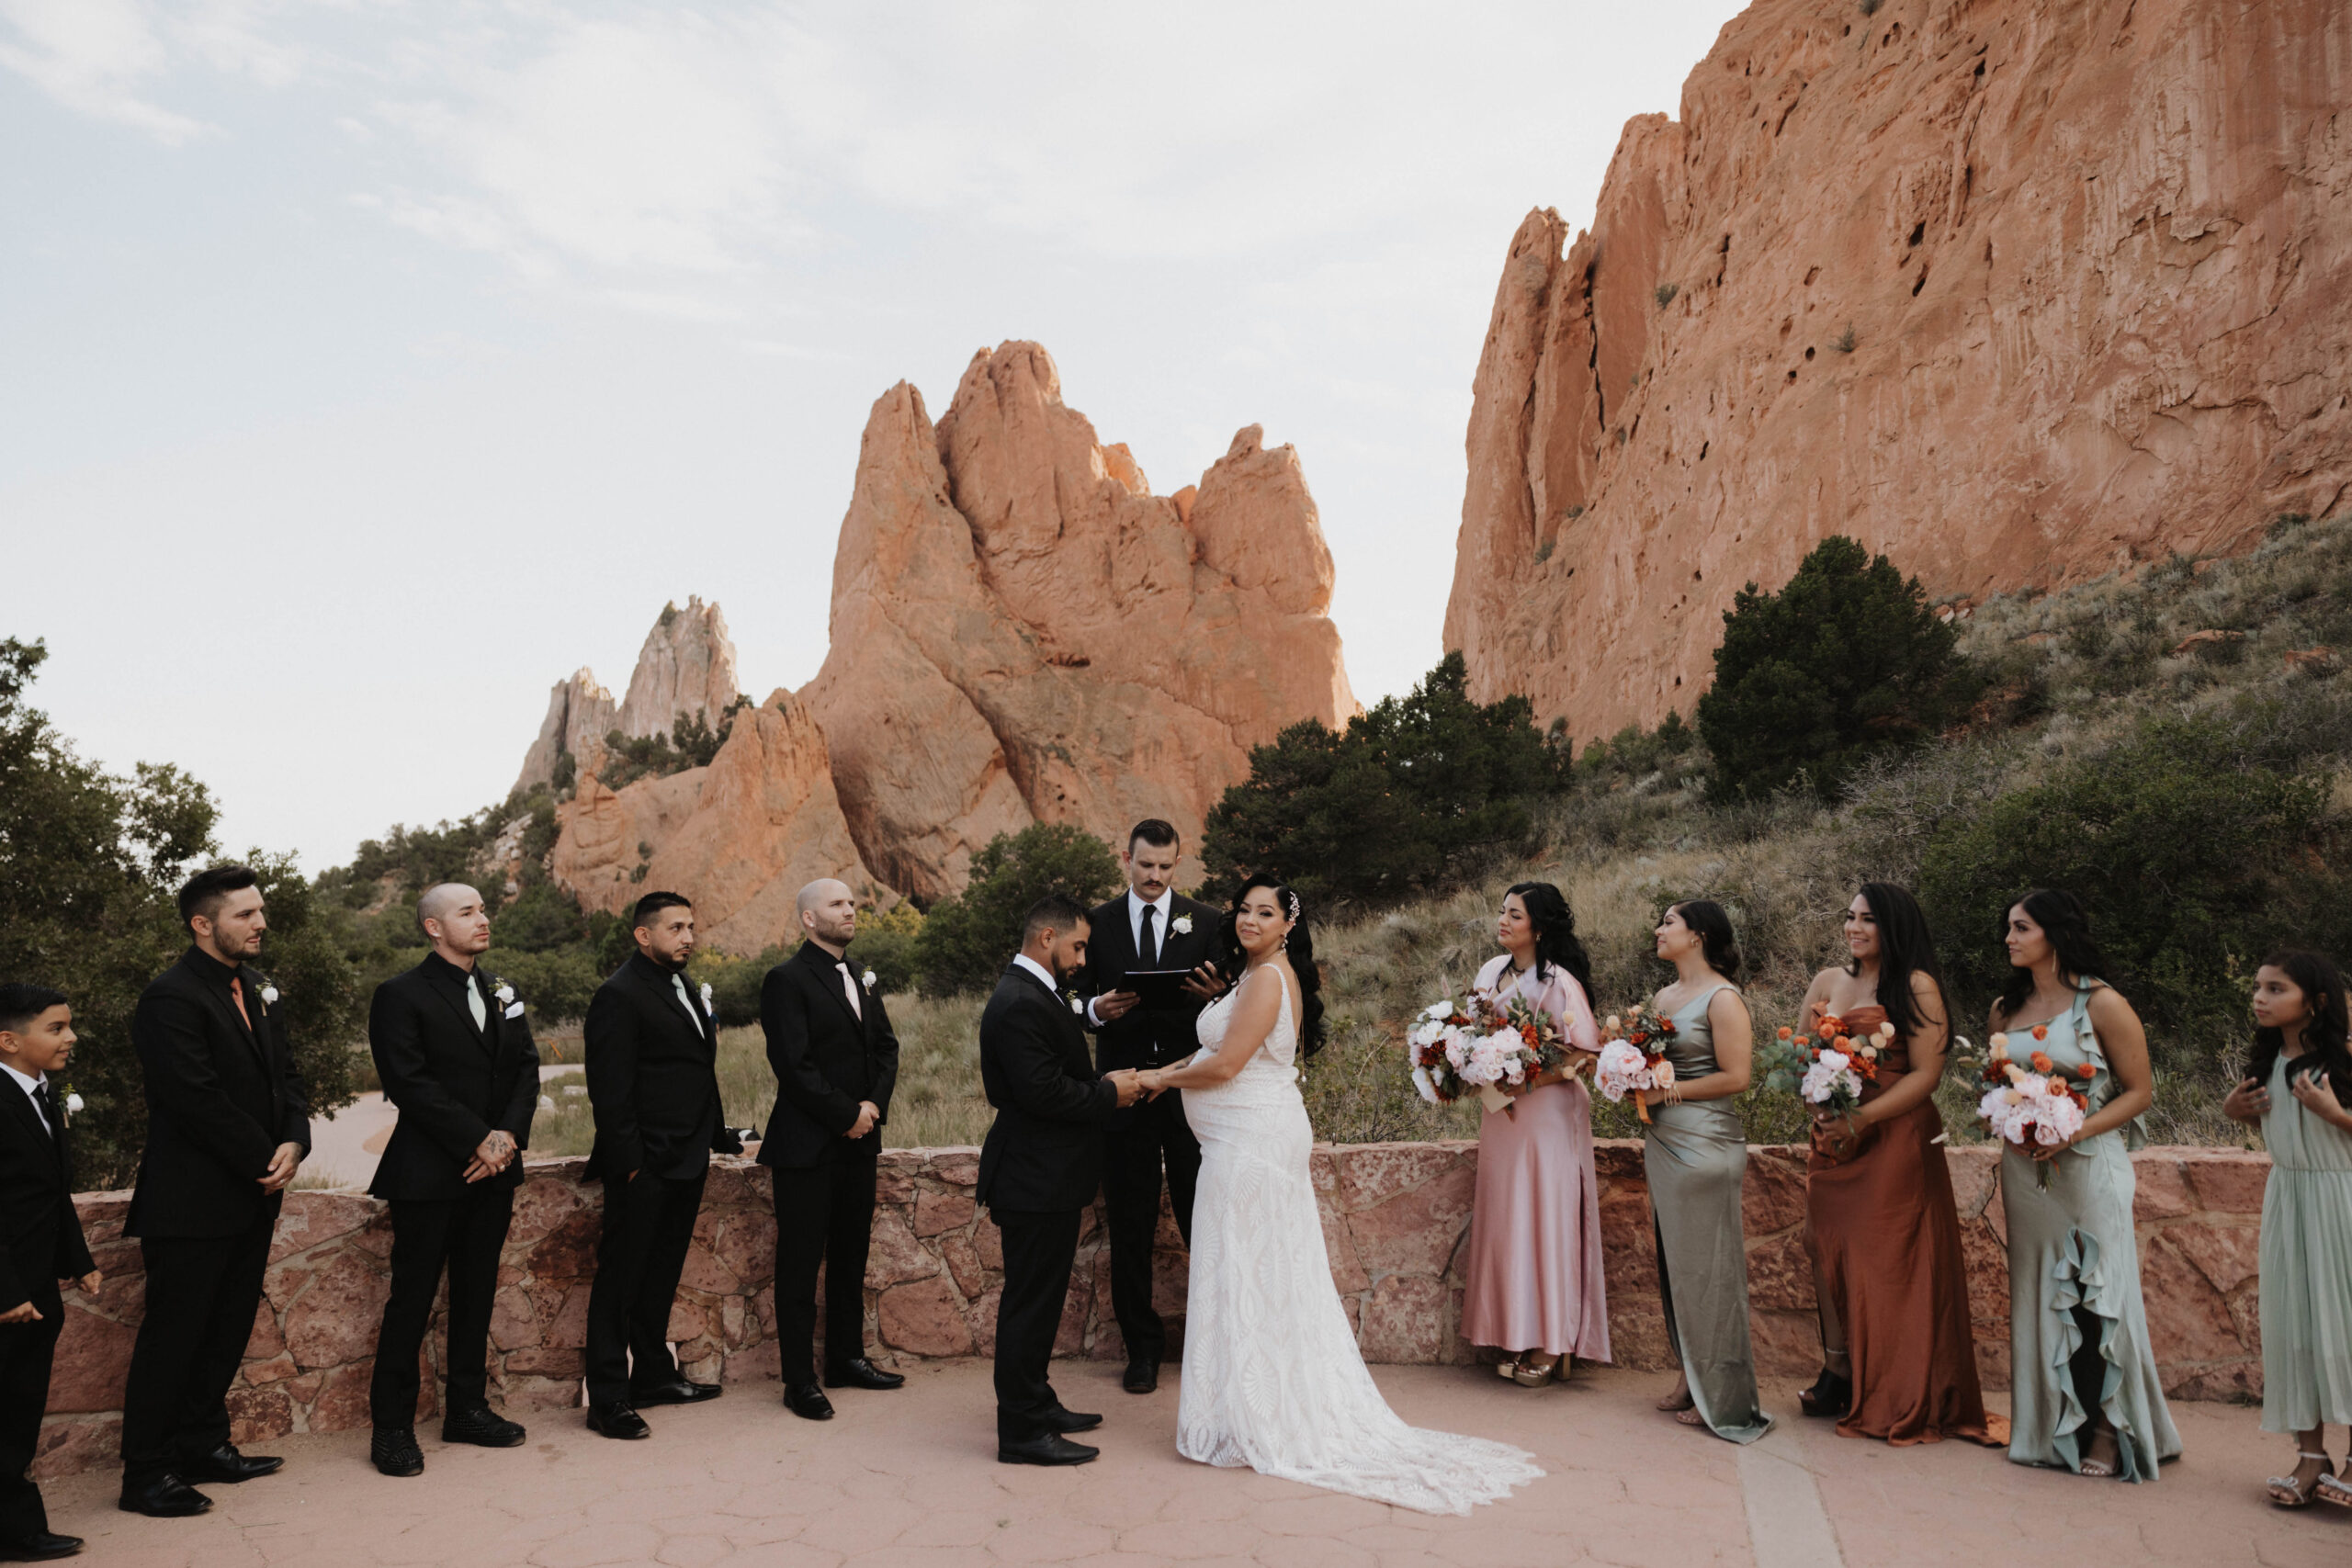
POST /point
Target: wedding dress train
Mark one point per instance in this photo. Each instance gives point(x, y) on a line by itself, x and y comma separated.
point(1272, 1375)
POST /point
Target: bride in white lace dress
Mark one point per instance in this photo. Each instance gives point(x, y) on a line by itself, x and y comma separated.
point(1272, 1375)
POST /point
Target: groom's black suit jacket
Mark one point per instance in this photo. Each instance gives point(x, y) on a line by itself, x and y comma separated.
point(1044, 1153)
point(454, 1082)
point(826, 1059)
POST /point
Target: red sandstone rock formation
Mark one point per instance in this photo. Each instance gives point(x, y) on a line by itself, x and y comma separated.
point(686, 668)
point(580, 715)
point(1022, 631)
point(2020, 292)
point(741, 838)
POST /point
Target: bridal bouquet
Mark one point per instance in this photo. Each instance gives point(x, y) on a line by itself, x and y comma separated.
point(1489, 1048)
point(1634, 1057)
point(2031, 1104)
point(1826, 1065)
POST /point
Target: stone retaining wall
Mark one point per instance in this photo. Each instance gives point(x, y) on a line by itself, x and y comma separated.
point(1395, 1215)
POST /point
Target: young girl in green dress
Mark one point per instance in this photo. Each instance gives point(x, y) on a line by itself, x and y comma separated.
point(2298, 1085)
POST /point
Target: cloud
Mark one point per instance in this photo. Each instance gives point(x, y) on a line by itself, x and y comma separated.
point(92, 56)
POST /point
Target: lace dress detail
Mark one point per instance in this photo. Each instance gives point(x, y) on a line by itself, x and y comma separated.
point(1273, 1378)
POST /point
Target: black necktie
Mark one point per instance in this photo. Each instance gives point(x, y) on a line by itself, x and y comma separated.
point(1149, 957)
point(48, 1110)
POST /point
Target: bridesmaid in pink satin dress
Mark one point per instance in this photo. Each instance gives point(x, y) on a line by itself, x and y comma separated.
point(1533, 1282)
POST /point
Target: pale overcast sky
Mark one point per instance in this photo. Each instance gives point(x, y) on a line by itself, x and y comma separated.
point(368, 367)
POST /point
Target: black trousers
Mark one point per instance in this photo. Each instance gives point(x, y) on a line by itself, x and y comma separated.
point(647, 1224)
point(466, 1233)
point(1039, 1250)
point(1134, 1149)
point(201, 1292)
point(824, 1214)
point(25, 1351)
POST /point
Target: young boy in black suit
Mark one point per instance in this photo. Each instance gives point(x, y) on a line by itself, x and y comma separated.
point(40, 1249)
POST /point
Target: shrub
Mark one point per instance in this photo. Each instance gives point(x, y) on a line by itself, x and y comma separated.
point(1845, 661)
point(966, 940)
point(2193, 858)
point(555, 983)
point(1665, 292)
point(1408, 800)
point(887, 943)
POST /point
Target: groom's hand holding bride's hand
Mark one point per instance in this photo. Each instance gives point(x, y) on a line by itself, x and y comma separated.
point(1128, 1083)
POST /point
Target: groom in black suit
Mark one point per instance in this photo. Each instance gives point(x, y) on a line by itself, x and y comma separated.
point(836, 1061)
point(1039, 1169)
point(652, 1049)
point(453, 1048)
point(1148, 926)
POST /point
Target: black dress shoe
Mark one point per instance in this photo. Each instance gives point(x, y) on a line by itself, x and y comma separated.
point(1143, 1375)
point(677, 1391)
point(617, 1419)
point(1068, 1421)
point(1046, 1448)
point(807, 1401)
point(226, 1464)
point(862, 1373)
point(394, 1451)
point(39, 1548)
point(483, 1428)
point(165, 1497)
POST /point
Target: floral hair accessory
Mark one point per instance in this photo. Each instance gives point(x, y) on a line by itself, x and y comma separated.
point(1290, 901)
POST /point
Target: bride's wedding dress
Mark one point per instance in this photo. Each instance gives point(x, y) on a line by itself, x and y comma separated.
point(1273, 1378)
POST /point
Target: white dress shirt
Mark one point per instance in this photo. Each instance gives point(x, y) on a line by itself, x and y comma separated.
point(1136, 904)
point(29, 1085)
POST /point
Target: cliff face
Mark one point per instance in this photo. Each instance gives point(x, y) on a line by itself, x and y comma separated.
point(686, 668)
point(2017, 291)
point(580, 715)
point(1023, 632)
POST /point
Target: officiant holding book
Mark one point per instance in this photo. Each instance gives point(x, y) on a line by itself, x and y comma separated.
point(1147, 972)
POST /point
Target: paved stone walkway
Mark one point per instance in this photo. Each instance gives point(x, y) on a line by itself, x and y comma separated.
point(909, 1478)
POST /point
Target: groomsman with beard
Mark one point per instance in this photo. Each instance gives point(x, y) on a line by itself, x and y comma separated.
point(228, 1125)
point(652, 1053)
point(44, 1249)
point(1039, 1168)
point(836, 1061)
point(454, 1050)
point(1148, 926)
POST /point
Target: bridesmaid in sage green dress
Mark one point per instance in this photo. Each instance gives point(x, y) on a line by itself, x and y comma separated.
point(2083, 1392)
point(2298, 1085)
point(1695, 1154)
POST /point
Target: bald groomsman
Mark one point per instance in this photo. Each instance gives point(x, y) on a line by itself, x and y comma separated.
point(836, 1061)
point(454, 1050)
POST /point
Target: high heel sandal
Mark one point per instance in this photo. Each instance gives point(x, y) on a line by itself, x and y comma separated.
point(1530, 1374)
point(2101, 1469)
point(2332, 1489)
point(1832, 1394)
point(2285, 1491)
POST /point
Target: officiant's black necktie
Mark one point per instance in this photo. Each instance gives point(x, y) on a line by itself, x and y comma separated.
point(1149, 957)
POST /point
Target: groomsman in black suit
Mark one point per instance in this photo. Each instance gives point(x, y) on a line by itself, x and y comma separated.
point(228, 1125)
point(1148, 926)
point(836, 1061)
point(1039, 1169)
point(40, 1248)
point(454, 1051)
point(652, 1048)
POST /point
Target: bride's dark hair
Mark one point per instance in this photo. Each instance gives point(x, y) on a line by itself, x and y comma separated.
point(1299, 946)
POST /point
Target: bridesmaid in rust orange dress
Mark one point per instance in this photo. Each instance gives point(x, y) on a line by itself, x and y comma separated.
point(1899, 1363)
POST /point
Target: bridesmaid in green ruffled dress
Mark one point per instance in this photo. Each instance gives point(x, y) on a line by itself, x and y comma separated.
point(2083, 1392)
point(2299, 1087)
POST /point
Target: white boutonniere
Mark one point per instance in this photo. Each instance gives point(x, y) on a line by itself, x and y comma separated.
point(268, 996)
point(867, 979)
point(73, 1104)
point(1182, 925)
point(1076, 1004)
point(508, 1000)
point(506, 993)
point(706, 999)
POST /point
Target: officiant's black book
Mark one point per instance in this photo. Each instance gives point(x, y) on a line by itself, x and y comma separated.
point(1156, 990)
